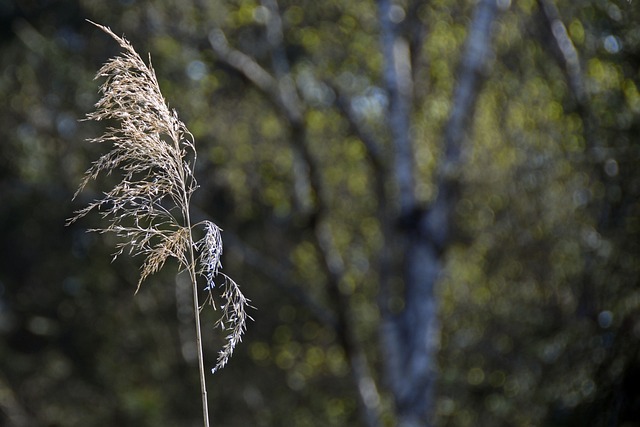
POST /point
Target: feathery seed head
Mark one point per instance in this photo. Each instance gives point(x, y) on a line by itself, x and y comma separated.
point(154, 154)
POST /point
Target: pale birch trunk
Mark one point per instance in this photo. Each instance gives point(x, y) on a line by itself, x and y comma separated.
point(410, 339)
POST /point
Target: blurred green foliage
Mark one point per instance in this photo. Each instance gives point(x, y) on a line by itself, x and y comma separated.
point(540, 303)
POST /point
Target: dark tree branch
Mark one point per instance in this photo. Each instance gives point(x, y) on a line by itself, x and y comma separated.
point(369, 398)
point(472, 72)
point(280, 63)
point(244, 64)
point(415, 31)
point(568, 54)
point(280, 277)
point(282, 90)
point(284, 97)
point(275, 38)
point(436, 221)
point(380, 176)
point(369, 141)
point(330, 256)
point(568, 59)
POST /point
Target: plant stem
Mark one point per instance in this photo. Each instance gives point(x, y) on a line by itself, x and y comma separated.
point(186, 199)
point(196, 309)
point(196, 314)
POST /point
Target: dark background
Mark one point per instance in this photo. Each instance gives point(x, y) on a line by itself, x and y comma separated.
point(539, 301)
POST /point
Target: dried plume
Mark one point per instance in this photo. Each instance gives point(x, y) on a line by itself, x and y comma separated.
point(154, 155)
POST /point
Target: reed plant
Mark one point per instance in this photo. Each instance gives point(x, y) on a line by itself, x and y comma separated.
point(153, 157)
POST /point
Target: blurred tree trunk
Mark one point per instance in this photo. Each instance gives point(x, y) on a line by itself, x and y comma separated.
point(310, 193)
point(421, 235)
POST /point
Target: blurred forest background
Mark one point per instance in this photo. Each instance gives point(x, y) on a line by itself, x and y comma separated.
point(302, 132)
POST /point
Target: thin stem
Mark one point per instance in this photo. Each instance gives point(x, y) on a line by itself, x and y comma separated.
point(186, 199)
point(196, 303)
point(196, 314)
point(154, 169)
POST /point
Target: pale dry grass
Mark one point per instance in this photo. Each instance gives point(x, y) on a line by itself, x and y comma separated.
point(153, 155)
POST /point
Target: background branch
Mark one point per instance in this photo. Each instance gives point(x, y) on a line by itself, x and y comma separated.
point(285, 96)
point(399, 86)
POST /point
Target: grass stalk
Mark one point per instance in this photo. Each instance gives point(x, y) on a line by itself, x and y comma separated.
point(154, 155)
